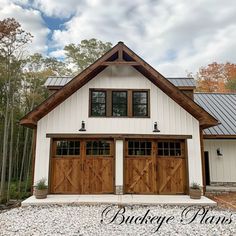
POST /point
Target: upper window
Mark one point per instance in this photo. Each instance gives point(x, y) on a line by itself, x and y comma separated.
point(140, 103)
point(98, 103)
point(119, 103)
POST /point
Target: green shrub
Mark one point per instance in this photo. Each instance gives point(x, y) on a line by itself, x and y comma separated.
point(195, 186)
point(41, 184)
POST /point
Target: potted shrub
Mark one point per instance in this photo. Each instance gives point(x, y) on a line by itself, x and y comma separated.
point(41, 189)
point(195, 191)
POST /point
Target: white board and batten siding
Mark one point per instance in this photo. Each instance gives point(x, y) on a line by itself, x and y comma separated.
point(222, 168)
point(170, 117)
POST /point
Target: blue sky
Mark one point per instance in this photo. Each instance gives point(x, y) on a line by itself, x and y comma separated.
point(176, 37)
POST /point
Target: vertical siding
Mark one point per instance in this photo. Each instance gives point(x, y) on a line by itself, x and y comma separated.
point(67, 117)
point(222, 169)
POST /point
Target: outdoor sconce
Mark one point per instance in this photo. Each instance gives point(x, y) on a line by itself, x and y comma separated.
point(219, 152)
point(155, 128)
point(82, 126)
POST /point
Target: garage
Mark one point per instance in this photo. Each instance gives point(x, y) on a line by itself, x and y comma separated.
point(82, 166)
point(155, 166)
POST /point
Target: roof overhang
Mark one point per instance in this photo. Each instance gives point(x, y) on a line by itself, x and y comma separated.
point(120, 54)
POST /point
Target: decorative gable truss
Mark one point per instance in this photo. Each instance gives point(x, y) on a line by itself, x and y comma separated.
point(120, 54)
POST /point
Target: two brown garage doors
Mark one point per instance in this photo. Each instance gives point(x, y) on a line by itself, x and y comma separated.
point(88, 167)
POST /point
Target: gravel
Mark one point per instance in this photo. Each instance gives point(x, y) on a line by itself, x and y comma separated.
point(96, 220)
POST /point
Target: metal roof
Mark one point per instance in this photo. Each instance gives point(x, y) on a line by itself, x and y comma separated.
point(223, 108)
point(183, 82)
point(57, 81)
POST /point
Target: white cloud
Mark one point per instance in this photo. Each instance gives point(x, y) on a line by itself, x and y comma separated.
point(31, 21)
point(173, 36)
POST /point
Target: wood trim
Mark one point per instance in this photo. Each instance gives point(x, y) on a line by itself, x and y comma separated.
point(202, 161)
point(118, 136)
point(186, 167)
point(33, 158)
point(52, 148)
point(120, 63)
point(205, 119)
point(220, 136)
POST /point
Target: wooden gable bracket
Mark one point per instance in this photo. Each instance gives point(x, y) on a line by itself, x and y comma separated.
point(120, 60)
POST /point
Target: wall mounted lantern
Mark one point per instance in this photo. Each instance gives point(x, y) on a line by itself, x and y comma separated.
point(219, 152)
point(82, 126)
point(156, 130)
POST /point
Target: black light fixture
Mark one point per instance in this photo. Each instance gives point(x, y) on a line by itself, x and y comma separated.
point(219, 152)
point(155, 128)
point(82, 126)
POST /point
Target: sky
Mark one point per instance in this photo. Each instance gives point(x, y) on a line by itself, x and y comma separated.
point(174, 36)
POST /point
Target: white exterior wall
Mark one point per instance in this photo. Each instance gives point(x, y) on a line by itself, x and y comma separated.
point(222, 169)
point(170, 117)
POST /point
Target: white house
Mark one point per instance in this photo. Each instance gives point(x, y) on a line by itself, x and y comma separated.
point(121, 127)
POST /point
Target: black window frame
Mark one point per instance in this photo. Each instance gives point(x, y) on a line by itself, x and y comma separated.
point(112, 102)
point(146, 104)
point(91, 103)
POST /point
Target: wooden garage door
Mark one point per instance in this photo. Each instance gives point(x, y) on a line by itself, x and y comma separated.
point(82, 166)
point(140, 174)
point(155, 167)
point(171, 167)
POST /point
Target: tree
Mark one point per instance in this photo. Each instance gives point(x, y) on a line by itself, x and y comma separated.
point(217, 77)
point(85, 53)
point(12, 39)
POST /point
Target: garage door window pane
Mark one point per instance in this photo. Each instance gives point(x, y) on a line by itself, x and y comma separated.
point(169, 149)
point(67, 148)
point(97, 148)
point(139, 148)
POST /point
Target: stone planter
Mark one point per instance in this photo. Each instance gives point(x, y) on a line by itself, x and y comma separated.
point(40, 193)
point(195, 193)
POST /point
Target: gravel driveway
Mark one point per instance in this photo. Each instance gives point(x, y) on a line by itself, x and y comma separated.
point(114, 220)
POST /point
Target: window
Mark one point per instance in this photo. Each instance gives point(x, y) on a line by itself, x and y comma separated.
point(98, 148)
point(119, 103)
point(169, 148)
point(67, 148)
point(140, 103)
point(98, 103)
point(139, 148)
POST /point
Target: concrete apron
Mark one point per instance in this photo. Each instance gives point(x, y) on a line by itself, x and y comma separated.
point(128, 199)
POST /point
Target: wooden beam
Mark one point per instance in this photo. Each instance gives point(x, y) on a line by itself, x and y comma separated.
point(119, 136)
point(125, 63)
point(202, 161)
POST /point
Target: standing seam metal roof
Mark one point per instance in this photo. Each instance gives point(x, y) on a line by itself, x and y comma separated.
point(223, 108)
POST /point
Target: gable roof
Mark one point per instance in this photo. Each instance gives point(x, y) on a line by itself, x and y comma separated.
point(223, 107)
point(120, 54)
